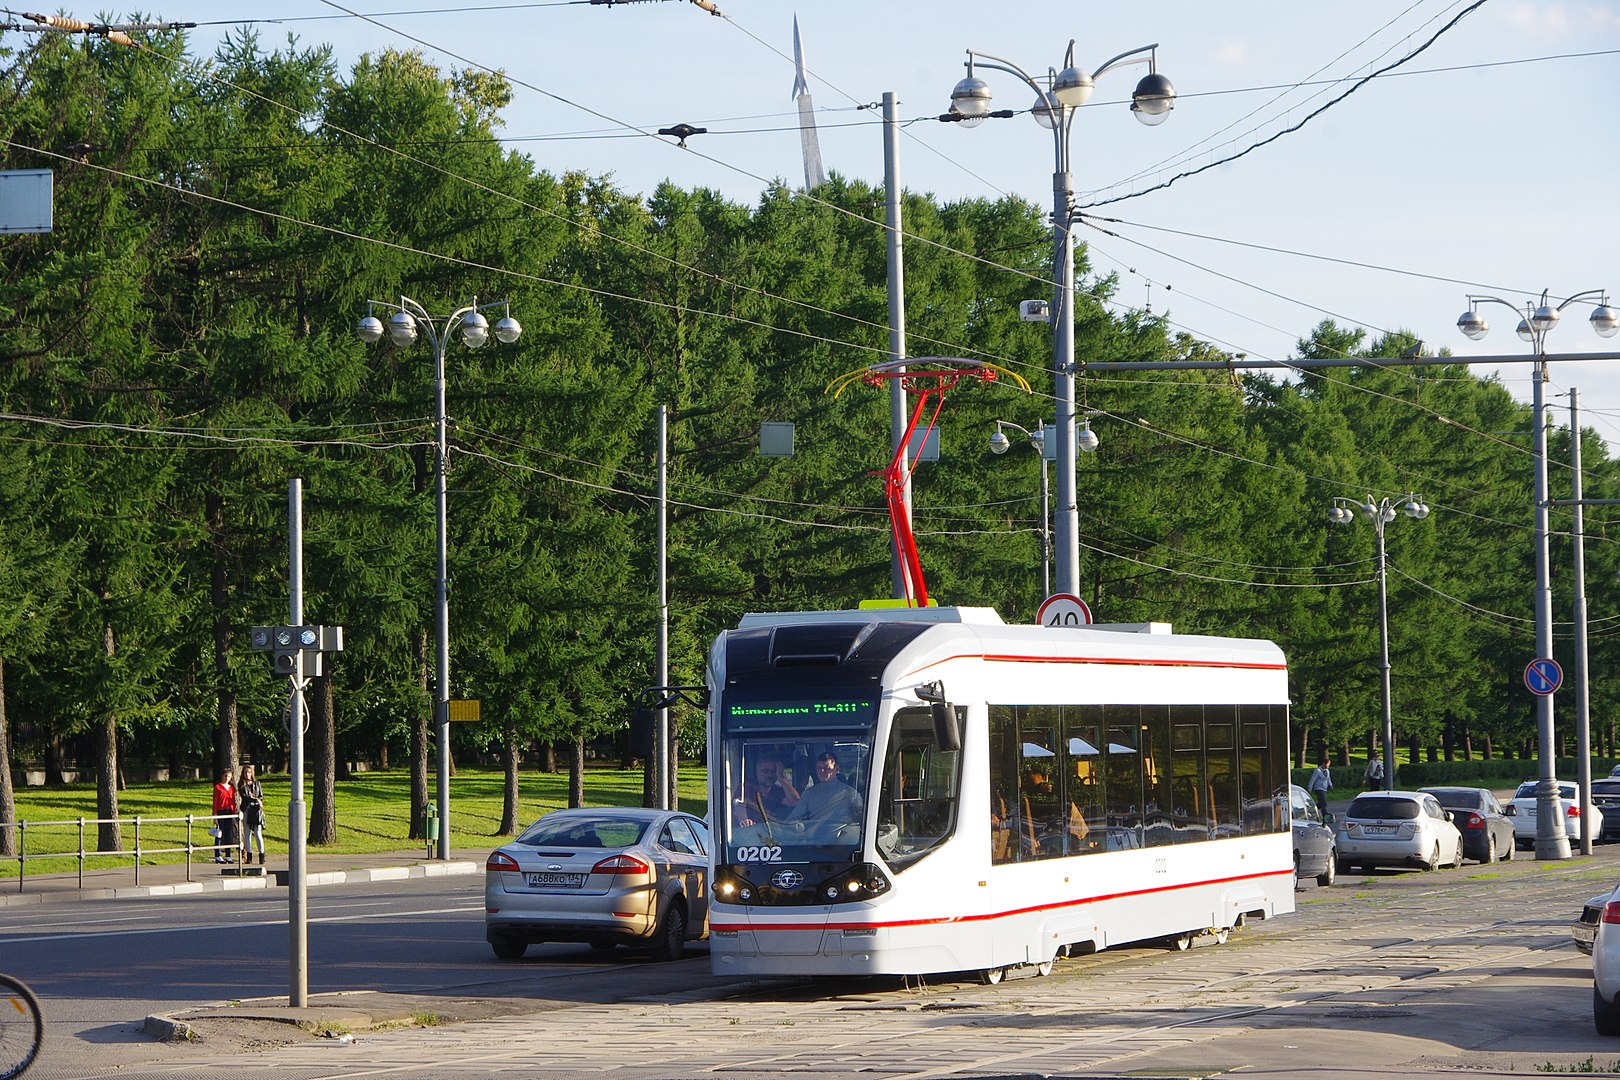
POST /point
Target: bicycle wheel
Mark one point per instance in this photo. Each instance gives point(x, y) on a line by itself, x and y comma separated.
point(22, 1028)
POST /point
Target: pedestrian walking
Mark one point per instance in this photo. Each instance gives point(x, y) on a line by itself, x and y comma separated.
point(250, 798)
point(1321, 780)
point(1375, 770)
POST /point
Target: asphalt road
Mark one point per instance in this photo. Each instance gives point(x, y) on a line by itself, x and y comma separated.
point(1399, 973)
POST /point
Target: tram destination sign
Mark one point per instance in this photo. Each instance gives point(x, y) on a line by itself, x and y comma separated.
point(800, 712)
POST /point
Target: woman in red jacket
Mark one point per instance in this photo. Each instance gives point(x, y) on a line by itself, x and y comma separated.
point(225, 804)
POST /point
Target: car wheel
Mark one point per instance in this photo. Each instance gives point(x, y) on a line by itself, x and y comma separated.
point(1507, 852)
point(604, 946)
point(1605, 1016)
point(1345, 865)
point(508, 948)
point(1433, 862)
point(1458, 861)
point(1490, 850)
point(671, 944)
point(1329, 872)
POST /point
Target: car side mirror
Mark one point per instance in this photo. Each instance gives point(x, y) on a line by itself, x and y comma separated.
point(1449, 817)
point(1329, 819)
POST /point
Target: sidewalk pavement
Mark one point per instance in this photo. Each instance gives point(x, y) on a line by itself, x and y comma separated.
point(119, 878)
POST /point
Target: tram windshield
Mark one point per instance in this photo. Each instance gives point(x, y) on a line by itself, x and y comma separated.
point(796, 799)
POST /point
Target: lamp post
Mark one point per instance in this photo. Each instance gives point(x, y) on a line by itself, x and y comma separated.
point(408, 319)
point(1057, 97)
point(1537, 319)
point(1381, 513)
point(1042, 444)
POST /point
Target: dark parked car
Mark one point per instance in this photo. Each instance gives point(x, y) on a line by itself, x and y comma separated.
point(1315, 854)
point(1487, 833)
point(1606, 797)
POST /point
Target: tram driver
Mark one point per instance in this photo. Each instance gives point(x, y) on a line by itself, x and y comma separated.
point(830, 805)
point(770, 795)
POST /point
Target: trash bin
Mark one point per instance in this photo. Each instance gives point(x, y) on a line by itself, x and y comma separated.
point(430, 825)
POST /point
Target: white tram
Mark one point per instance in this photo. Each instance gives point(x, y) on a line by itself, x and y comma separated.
point(904, 791)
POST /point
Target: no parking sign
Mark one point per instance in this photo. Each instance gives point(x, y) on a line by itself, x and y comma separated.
point(1543, 675)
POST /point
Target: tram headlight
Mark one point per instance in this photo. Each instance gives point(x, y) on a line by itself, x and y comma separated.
point(745, 893)
point(832, 892)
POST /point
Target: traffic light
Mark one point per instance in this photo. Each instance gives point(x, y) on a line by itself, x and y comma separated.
point(285, 643)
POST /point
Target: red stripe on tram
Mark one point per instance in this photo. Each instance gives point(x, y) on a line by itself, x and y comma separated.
point(950, 919)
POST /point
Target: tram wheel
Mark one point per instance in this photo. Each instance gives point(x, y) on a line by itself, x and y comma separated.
point(1181, 942)
point(991, 976)
point(1043, 969)
point(1222, 934)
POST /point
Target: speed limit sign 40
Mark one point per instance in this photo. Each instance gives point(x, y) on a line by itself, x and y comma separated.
point(1063, 609)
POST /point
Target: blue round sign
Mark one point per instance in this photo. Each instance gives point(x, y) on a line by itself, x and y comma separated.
point(1543, 675)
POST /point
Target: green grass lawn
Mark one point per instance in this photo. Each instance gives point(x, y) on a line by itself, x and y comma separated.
point(373, 811)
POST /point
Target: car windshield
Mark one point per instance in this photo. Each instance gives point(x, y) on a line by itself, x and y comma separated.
point(1383, 806)
point(582, 831)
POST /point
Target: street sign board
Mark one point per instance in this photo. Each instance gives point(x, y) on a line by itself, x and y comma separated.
point(463, 710)
point(1543, 675)
point(1063, 609)
point(26, 200)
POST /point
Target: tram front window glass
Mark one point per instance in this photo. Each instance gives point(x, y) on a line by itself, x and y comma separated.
point(794, 798)
point(921, 785)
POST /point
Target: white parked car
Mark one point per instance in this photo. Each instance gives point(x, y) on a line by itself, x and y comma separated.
point(1521, 810)
point(1397, 828)
point(1606, 966)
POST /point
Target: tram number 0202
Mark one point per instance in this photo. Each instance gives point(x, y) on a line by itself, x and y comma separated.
point(764, 853)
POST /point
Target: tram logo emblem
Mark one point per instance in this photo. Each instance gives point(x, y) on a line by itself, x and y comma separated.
point(787, 879)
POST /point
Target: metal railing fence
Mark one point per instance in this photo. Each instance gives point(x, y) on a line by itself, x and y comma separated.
point(153, 836)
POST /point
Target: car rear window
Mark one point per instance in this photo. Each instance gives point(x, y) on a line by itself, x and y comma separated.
point(1527, 790)
point(1465, 800)
point(1606, 787)
point(582, 832)
point(1382, 806)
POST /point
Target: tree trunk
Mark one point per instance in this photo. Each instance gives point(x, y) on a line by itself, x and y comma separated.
point(323, 809)
point(1487, 749)
point(674, 802)
point(228, 739)
point(576, 773)
point(108, 835)
point(54, 765)
point(8, 797)
point(509, 805)
point(548, 757)
point(419, 741)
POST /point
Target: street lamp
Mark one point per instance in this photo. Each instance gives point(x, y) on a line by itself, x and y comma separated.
point(1040, 442)
point(1537, 319)
point(409, 318)
point(1057, 96)
point(1381, 513)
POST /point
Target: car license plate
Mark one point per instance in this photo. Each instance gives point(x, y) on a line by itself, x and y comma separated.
point(555, 881)
point(1380, 830)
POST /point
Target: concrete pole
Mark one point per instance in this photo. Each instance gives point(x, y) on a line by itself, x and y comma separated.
point(441, 703)
point(664, 780)
point(1552, 841)
point(1068, 513)
point(297, 880)
point(1583, 689)
point(898, 413)
point(1383, 646)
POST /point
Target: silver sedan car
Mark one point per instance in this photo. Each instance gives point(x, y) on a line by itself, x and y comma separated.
point(607, 876)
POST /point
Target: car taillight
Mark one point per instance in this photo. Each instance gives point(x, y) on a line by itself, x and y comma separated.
point(500, 862)
point(620, 864)
point(1573, 811)
point(1474, 822)
point(1611, 911)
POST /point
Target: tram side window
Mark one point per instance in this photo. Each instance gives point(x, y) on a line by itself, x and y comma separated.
point(1083, 774)
point(1038, 782)
point(1189, 792)
point(1262, 810)
point(920, 793)
point(1122, 771)
point(1221, 770)
point(1005, 823)
point(1158, 821)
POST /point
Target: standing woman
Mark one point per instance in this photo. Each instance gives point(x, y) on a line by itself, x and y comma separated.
point(225, 818)
point(250, 797)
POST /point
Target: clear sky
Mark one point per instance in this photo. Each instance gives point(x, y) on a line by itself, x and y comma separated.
point(1485, 164)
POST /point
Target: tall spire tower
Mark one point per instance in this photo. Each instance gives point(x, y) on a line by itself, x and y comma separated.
point(814, 175)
